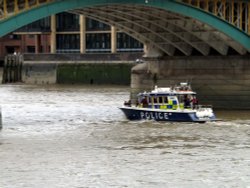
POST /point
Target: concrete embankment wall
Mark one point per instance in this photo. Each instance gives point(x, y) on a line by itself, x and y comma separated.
point(76, 72)
point(223, 82)
point(78, 68)
point(39, 72)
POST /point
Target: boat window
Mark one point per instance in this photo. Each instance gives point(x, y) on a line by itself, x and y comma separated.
point(181, 98)
point(139, 99)
point(160, 100)
point(155, 100)
point(151, 99)
point(165, 99)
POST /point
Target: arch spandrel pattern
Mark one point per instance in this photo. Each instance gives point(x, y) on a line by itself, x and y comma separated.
point(167, 25)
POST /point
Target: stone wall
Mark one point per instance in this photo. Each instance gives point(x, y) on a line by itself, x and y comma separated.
point(76, 72)
point(78, 68)
point(223, 82)
point(39, 72)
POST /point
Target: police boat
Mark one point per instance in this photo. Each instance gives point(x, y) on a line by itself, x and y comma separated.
point(176, 104)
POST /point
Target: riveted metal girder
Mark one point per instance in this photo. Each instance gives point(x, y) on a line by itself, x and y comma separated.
point(129, 22)
point(148, 30)
point(161, 29)
point(151, 28)
point(129, 30)
point(171, 31)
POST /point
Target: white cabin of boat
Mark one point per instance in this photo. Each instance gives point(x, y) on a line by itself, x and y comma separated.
point(177, 98)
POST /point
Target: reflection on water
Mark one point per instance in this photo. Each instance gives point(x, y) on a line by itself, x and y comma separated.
point(75, 136)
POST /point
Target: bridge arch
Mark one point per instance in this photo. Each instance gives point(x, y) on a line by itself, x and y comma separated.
point(165, 25)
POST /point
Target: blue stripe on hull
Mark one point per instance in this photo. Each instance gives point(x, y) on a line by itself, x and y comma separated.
point(138, 114)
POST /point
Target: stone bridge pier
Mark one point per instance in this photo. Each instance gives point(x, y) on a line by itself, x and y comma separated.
point(222, 81)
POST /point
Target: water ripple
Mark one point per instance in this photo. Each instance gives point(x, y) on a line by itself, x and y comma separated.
point(75, 136)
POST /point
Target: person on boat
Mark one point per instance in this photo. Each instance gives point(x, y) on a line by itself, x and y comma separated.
point(144, 102)
point(186, 101)
point(195, 102)
point(127, 103)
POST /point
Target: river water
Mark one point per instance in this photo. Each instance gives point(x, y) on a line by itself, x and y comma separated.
point(75, 136)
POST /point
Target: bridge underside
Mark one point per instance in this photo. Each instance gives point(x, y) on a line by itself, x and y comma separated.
point(165, 27)
point(164, 32)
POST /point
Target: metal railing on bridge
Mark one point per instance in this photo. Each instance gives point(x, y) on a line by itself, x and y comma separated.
point(236, 12)
point(13, 7)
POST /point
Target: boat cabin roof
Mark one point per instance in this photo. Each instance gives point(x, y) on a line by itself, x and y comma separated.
point(167, 91)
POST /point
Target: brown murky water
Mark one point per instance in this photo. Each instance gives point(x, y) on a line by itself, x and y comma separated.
point(75, 136)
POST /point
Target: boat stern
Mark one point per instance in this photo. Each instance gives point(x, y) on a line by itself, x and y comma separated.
point(205, 113)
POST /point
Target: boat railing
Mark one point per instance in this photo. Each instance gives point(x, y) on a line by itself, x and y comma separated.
point(205, 106)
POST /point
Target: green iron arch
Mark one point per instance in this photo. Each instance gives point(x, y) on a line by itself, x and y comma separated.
point(14, 22)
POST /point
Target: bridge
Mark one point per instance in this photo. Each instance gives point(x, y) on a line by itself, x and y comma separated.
point(203, 41)
point(165, 27)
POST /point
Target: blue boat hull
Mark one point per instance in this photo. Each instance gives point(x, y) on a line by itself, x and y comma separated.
point(161, 115)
